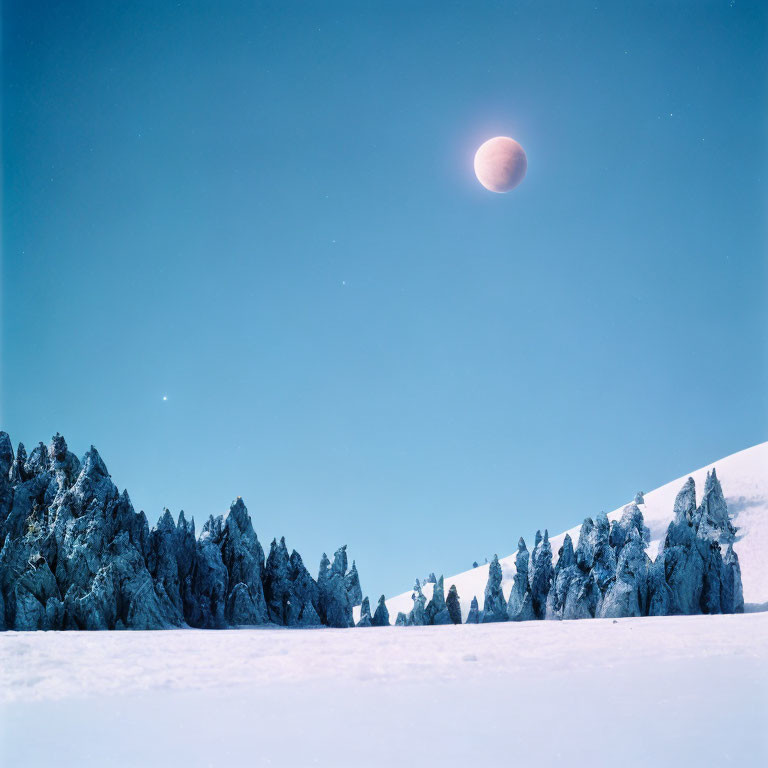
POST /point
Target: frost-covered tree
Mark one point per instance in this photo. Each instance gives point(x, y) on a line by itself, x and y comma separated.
point(381, 616)
point(437, 611)
point(711, 575)
point(605, 559)
point(365, 614)
point(627, 594)
point(474, 612)
point(540, 574)
point(243, 560)
point(659, 593)
point(520, 606)
point(712, 519)
point(17, 473)
point(732, 595)
point(37, 463)
point(334, 603)
point(353, 585)
point(305, 595)
point(596, 559)
point(277, 584)
point(576, 591)
point(64, 465)
point(585, 549)
point(401, 620)
point(584, 594)
point(721, 581)
point(631, 518)
point(565, 574)
point(697, 576)
point(323, 577)
point(683, 563)
point(494, 605)
point(169, 559)
point(418, 615)
point(453, 605)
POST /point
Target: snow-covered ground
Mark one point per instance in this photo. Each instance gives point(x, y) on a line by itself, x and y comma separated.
point(744, 477)
point(661, 691)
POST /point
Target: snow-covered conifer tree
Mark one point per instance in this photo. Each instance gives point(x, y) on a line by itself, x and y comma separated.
point(733, 597)
point(365, 614)
point(305, 595)
point(683, 564)
point(659, 594)
point(604, 565)
point(584, 595)
point(631, 517)
point(494, 605)
point(627, 594)
point(520, 606)
point(334, 602)
point(381, 616)
point(566, 571)
point(323, 577)
point(277, 583)
point(436, 611)
point(712, 519)
point(418, 615)
point(353, 585)
point(453, 605)
point(474, 612)
point(17, 473)
point(540, 574)
point(711, 575)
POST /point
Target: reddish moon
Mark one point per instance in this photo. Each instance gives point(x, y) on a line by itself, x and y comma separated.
point(500, 164)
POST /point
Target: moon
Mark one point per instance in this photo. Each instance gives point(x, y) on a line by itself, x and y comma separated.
point(500, 164)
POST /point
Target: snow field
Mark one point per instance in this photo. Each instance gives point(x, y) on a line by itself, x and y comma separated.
point(665, 690)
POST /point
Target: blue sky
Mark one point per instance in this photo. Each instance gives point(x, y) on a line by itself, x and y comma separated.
point(269, 216)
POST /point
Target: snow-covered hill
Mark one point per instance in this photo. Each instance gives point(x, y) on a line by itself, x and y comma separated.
point(744, 477)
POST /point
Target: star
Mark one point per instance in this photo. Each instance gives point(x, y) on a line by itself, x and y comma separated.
point(164, 397)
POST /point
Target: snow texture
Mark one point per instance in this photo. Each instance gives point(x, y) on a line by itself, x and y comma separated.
point(667, 691)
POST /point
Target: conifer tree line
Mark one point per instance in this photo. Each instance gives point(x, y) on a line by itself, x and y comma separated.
point(75, 555)
point(609, 574)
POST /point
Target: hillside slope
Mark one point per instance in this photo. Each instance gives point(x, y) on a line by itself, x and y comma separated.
point(744, 477)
